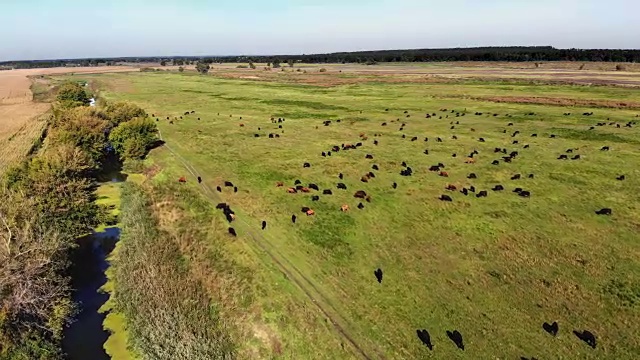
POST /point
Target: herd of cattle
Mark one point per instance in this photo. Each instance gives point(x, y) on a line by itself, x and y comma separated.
point(503, 154)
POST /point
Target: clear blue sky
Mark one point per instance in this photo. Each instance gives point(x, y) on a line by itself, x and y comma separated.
point(46, 29)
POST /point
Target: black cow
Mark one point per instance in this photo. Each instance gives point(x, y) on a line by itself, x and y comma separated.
point(498, 188)
point(424, 337)
point(395, 185)
point(524, 194)
point(482, 193)
point(621, 177)
point(604, 148)
point(586, 336)
point(563, 157)
point(228, 184)
point(495, 162)
point(375, 167)
point(445, 198)
point(368, 156)
point(264, 225)
point(552, 329)
point(232, 231)
point(297, 182)
point(315, 198)
point(360, 194)
point(306, 165)
point(342, 186)
point(235, 189)
point(378, 275)
point(604, 211)
point(516, 177)
point(472, 176)
point(199, 180)
point(327, 192)
point(481, 140)
point(314, 187)
point(577, 157)
point(456, 337)
point(219, 188)
point(293, 219)
point(340, 176)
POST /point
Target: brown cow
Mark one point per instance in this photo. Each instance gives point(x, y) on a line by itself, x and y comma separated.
point(344, 208)
point(470, 161)
point(444, 174)
point(310, 212)
point(279, 184)
point(291, 191)
point(182, 179)
point(305, 190)
point(241, 125)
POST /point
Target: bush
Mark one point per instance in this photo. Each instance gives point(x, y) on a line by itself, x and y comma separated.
point(620, 67)
point(252, 65)
point(181, 69)
point(72, 93)
point(120, 112)
point(132, 139)
point(323, 70)
point(242, 67)
point(202, 67)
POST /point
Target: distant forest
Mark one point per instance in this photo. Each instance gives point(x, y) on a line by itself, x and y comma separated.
point(520, 54)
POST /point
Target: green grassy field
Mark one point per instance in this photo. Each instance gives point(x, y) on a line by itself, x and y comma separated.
point(494, 268)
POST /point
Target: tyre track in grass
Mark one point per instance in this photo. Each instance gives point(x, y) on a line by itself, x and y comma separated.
point(285, 266)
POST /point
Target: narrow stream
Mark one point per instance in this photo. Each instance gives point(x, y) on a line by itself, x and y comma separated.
point(84, 338)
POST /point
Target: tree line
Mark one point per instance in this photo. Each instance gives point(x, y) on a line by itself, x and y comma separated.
point(48, 203)
point(519, 54)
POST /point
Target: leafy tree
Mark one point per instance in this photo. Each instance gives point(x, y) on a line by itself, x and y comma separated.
point(163, 63)
point(81, 127)
point(290, 62)
point(123, 111)
point(132, 139)
point(202, 67)
point(178, 62)
point(181, 69)
point(276, 63)
point(252, 65)
point(72, 93)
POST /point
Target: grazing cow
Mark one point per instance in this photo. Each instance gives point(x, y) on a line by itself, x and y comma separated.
point(424, 337)
point(360, 206)
point(310, 212)
point(465, 191)
point(470, 160)
point(497, 150)
point(526, 146)
point(292, 190)
point(482, 193)
point(454, 155)
point(516, 177)
point(515, 142)
point(415, 138)
point(324, 154)
point(552, 136)
point(293, 219)
point(378, 275)
point(264, 224)
point(297, 182)
point(335, 148)
point(445, 198)
point(235, 189)
point(426, 139)
point(219, 188)
point(305, 190)
point(327, 192)
point(577, 157)
point(375, 142)
point(472, 188)
point(498, 188)
point(510, 124)
point(360, 194)
point(384, 124)
point(443, 174)
point(395, 185)
point(481, 140)
point(406, 172)
point(439, 140)
point(315, 198)
point(404, 164)
point(563, 157)
point(454, 137)
point(472, 176)
point(426, 152)
point(369, 156)
point(403, 135)
point(604, 211)
point(344, 208)
point(182, 179)
point(451, 187)
point(604, 148)
point(586, 336)
point(228, 184)
point(364, 179)
point(306, 165)
point(552, 329)
point(530, 176)
point(232, 231)
point(375, 167)
point(524, 194)
point(314, 187)
point(434, 168)
point(342, 186)
point(271, 137)
point(340, 176)
point(495, 162)
point(456, 337)
point(621, 177)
